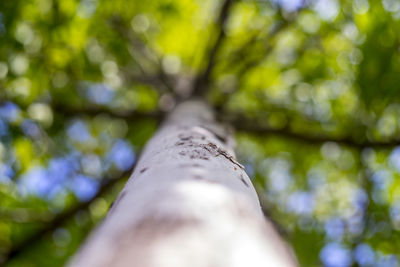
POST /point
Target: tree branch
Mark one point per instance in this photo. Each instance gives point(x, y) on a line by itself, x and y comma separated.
point(144, 58)
point(242, 57)
point(203, 79)
point(93, 110)
point(283, 23)
point(239, 122)
point(252, 126)
point(61, 218)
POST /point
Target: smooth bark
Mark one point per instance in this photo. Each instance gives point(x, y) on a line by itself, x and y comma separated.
point(187, 203)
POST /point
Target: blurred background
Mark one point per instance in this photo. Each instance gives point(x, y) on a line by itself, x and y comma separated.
point(312, 88)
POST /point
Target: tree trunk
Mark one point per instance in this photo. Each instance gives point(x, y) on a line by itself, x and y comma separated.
point(187, 203)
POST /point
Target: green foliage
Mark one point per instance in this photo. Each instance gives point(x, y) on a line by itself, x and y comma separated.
point(311, 86)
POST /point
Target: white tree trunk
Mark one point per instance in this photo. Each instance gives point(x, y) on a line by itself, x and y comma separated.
point(188, 203)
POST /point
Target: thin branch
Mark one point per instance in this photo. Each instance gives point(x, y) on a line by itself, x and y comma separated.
point(92, 110)
point(241, 57)
point(61, 218)
point(143, 55)
point(252, 126)
point(203, 79)
point(243, 53)
point(285, 22)
point(240, 123)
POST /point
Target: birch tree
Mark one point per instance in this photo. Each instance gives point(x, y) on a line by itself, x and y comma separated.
point(188, 203)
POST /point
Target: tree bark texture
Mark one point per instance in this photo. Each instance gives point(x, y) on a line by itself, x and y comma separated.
point(188, 203)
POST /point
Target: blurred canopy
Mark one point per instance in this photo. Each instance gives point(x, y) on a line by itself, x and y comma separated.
point(312, 88)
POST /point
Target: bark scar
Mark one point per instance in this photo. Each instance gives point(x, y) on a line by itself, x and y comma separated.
point(243, 181)
point(216, 151)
